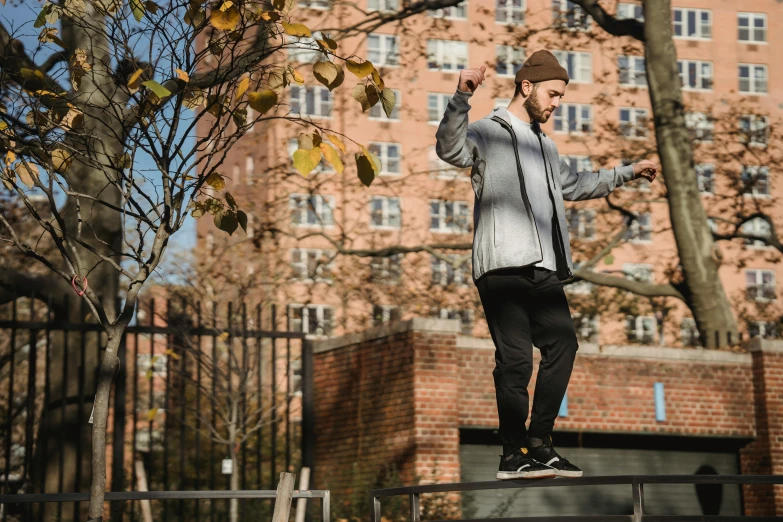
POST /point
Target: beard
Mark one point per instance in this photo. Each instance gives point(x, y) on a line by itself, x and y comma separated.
point(534, 109)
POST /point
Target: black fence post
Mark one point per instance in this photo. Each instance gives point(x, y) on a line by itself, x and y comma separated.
point(308, 428)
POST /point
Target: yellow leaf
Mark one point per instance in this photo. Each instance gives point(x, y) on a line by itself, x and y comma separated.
point(226, 5)
point(332, 157)
point(270, 16)
point(262, 101)
point(327, 44)
point(377, 79)
point(277, 80)
point(306, 160)
point(152, 413)
point(224, 20)
point(172, 354)
point(27, 173)
point(359, 94)
point(216, 181)
point(61, 159)
point(299, 30)
point(10, 156)
point(182, 75)
point(298, 78)
point(326, 73)
point(337, 142)
point(242, 86)
point(193, 98)
point(360, 69)
point(134, 82)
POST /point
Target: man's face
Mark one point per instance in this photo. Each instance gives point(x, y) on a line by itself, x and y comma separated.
point(544, 98)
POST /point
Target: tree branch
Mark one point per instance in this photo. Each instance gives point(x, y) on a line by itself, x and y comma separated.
point(636, 287)
point(609, 23)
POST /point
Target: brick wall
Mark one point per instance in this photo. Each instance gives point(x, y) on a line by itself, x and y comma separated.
point(399, 394)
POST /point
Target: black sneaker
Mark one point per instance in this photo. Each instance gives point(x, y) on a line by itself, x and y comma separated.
point(519, 465)
point(547, 456)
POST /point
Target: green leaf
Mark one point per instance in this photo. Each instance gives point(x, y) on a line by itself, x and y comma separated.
point(388, 100)
point(40, 20)
point(159, 90)
point(227, 222)
point(608, 260)
point(137, 7)
point(262, 101)
point(365, 169)
point(242, 218)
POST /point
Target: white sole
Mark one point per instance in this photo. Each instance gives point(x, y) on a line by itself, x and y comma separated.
point(511, 475)
point(572, 474)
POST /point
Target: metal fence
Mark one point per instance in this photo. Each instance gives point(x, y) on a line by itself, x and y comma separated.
point(636, 483)
point(185, 369)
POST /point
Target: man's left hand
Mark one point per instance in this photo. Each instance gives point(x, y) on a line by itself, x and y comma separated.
point(645, 169)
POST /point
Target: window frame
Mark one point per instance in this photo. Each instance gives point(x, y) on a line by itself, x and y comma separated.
point(631, 71)
point(305, 319)
point(443, 228)
point(509, 12)
point(441, 13)
point(386, 313)
point(504, 51)
point(442, 101)
point(560, 16)
point(698, 23)
point(577, 64)
point(386, 269)
point(753, 227)
point(752, 80)
point(318, 204)
point(637, 228)
point(386, 212)
point(444, 273)
point(752, 16)
point(301, 269)
point(441, 56)
point(697, 123)
point(753, 171)
point(302, 101)
point(758, 291)
point(384, 51)
point(631, 129)
point(639, 330)
point(381, 150)
point(585, 222)
point(623, 16)
point(557, 115)
point(751, 133)
point(385, 8)
point(683, 65)
point(701, 170)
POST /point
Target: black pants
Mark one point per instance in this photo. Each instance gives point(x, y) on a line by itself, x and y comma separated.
point(526, 307)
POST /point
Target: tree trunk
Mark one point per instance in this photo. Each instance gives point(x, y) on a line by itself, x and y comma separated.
point(699, 255)
point(234, 503)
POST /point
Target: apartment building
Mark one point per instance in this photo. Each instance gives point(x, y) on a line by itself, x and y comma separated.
point(316, 260)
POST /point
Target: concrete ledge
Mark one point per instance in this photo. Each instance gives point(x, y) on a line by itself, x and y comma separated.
point(757, 344)
point(417, 324)
point(652, 353)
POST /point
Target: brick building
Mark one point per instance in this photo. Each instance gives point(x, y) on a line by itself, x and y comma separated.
point(417, 397)
point(729, 86)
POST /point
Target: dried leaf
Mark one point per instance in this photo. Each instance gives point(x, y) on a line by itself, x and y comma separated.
point(327, 44)
point(134, 81)
point(337, 142)
point(226, 221)
point(242, 86)
point(359, 69)
point(332, 157)
point(388, 101)
point(232, 203)
point(277, 80)
point(154, 411)
point(193, 98)
point(49, 34)
point(61, 159)
point(79, 67)
point(376, 78)
point(262, 101)
point(308, 140)
point(270, 16)
point(182, 75)
point(364, 169)
point(216, 181)
point(372, 94)
point(326, 73)
point(27, 173)
point(224, 20)
point(359, 94)
point(151, 7)
point(298, 30)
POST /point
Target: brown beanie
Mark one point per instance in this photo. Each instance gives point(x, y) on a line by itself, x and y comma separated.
point(540, 67)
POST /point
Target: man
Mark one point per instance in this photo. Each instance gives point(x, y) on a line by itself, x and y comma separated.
point(521, 253)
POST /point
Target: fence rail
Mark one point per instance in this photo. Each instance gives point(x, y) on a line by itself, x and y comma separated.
point(636, 482)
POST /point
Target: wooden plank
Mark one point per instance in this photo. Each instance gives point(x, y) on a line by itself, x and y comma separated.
point(285, 491)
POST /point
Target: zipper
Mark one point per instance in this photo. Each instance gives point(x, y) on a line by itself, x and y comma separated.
point(506, 126)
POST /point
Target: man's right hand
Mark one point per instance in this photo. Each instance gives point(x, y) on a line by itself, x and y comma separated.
point(470, 79)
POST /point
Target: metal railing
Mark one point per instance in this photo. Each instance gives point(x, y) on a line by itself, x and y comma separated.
point(636, 482)
point(35, 498)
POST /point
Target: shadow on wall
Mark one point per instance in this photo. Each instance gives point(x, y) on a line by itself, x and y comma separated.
point(710, 495)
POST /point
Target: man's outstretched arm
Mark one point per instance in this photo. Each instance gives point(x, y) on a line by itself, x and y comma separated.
point(592, 185)
point(456, 143)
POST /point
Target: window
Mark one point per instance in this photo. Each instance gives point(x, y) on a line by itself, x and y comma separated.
point(377, 112)
point(323, 165)
point(509, 59)
point(436, 106)
point(312, 264)
point(705, 177)
point(586, 328)
point(574, 117)
point(251, 119)
point(389, 154)
point(236, 173)
point(385, 212)
point(752, 78)
point(444, 272)
point(311, 101)
point(640, 272)
point(692, 23)
point(304, 49)
point(579, 65)
point(382, 50)
point(311, 210)
point(695, 74)
point(449, 217)
point(579, 163)
point(633, 122)
point(763, 329)
point(158, 403)
point(384, 314)
point(758, 227)
point(689, 333)
point(510, 11)
point(754, 129)
point(465, 317)
point(382, 5)
point(249, 169)
point(447, 55)
point(310, 319)
point(456, 12)
point(151, 365)
point(442, 169)
point(632, 71)
point(566, 14)
point(581, 223)
point(640, 230)
point(295, 379)
point(701, 126)
point(760, 284)
point(752, 27)
point(386, 269)
point(314, 4)
point(755, 181)
point(641, 328)
point(148, 440)
point(630, 12)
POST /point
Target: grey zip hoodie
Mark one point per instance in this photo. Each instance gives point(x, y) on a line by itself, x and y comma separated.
point(505, 233)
